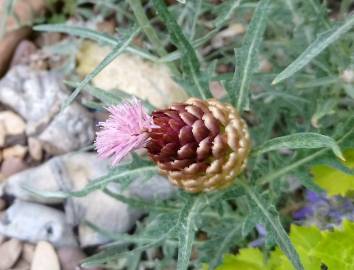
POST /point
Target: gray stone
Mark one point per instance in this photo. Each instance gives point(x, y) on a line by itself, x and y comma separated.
point(72, 172)
point(34, 222)
point(38, 96)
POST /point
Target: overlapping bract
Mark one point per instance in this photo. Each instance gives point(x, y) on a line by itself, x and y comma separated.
point(201, 145)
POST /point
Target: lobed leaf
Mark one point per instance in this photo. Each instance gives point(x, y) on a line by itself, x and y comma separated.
point(246, 57)
point(275, 229)
point(186, 232)
point(189, 59)
point(320, 44)
point(306, 140)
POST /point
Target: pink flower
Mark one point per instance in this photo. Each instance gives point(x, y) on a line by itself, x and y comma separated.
point(125, 130)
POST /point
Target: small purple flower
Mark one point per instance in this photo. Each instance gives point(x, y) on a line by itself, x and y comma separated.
point(124, 131)
point(323, 211)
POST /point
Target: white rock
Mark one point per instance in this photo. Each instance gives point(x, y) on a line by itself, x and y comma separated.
point(34, 222)
point(37, 96)
point(72, 172)
point(13, 124)
point(28, 252)
point(2, 134)
point(45, 257)
point(10, 252)
point(133, 75)
point(55, 175)
point(18, 151)
point(35, 148)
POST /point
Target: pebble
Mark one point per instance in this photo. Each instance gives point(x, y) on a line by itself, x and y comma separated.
point(2, 134)
point(28, 252)
point(10, 252)
point(14, 125)
point(35, 148)
point(2, 238)
point(70, 258)
point(21, 265)
point(2, 204)
point(45, 257)
point(18, 151)
point(11, 166)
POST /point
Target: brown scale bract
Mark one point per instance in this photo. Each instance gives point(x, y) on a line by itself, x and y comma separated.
point(201, 145)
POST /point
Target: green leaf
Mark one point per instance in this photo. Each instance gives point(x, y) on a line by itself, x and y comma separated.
point(275, 229)
point(99, 37)
point(247, 259)
point(116, 51)
point(107, 97)
point(224, 244)
point(334, 180)
point(79, 31)
point(246, 57)
point(332, 249)
point(306, 140)
point(157, 231)
point(189, 59)
point(124, 174)
point(186, 232)
point(140, 203)
point(321, 43)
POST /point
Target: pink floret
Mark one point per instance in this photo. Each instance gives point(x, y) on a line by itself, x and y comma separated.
point(124, 131)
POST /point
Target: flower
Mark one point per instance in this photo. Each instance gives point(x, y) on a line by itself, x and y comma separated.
point(201, 145)
point(324, 211)
point(125, 130)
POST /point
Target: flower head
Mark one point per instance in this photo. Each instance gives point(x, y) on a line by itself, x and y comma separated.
point(125, 130)
point(201, 145)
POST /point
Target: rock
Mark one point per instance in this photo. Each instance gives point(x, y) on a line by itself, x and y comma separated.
point(18, 151)
point(226, 35)
point(2, 135)
point(8, 45)
point(12, 165)
point(23, 53)
point(70, 258)
point(2, 237)
point(24, 12)
point(37, 96)
point(35, 148)
point(12, 123)
point(43, 224)
point(131, 74)
point(110, 214)
point(45, 257)
point(21, 265)
point(10, 252)
point(72, 172)
point(348, 76)
point(55, 175)
point(28, 252)
point(2, 204)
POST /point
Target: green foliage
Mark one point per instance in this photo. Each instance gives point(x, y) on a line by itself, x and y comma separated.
point(320, 44)
point(317, 249)
point(246, 57)
point(335, 179)
point(301, 140)
point(288, 121)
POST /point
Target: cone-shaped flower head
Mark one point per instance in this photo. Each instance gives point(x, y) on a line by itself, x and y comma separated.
point(201, 145)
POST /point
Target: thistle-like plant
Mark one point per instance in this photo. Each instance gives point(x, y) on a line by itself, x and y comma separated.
point(284, 112)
